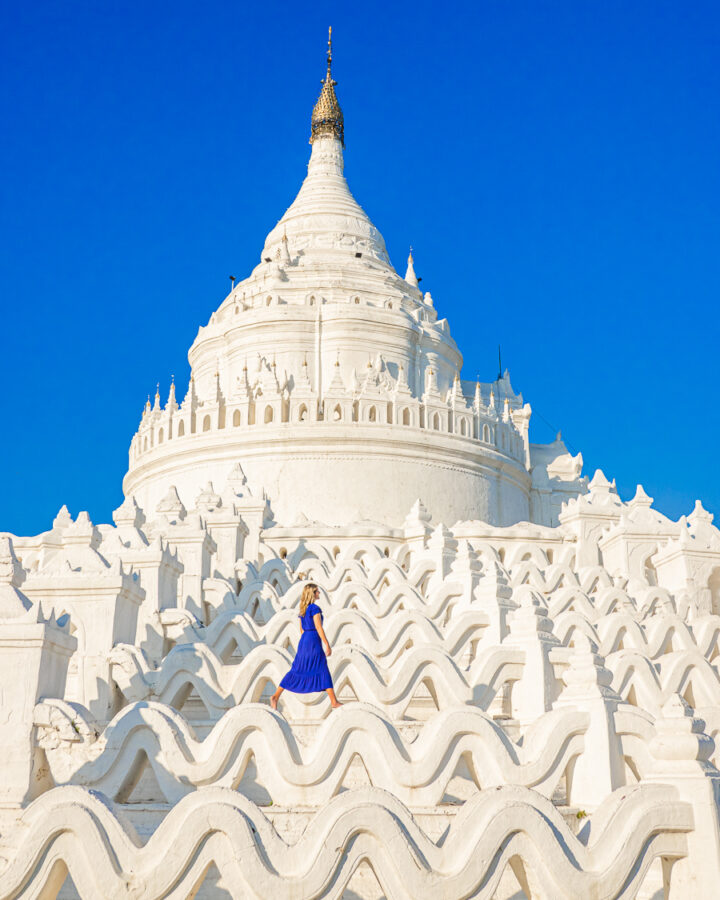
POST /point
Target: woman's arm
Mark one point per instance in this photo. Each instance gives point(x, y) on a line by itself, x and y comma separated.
point(317, 619)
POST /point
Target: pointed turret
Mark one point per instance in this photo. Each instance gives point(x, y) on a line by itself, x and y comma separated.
point(242, 386)
point(190, 398)
point(327, 117)
point(477, 400)
point(336, 388)
point(641, 499)
point(456, 398)
point(303, 382)
point(172, 402)
point(401, 385)
point(431, 386)
point(171, 505)
point(410, 275)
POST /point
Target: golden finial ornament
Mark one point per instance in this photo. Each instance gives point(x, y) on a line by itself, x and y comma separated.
point(327, 117)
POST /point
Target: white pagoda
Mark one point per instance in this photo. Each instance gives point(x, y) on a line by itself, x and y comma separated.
point(339, 389)
point(530, 666)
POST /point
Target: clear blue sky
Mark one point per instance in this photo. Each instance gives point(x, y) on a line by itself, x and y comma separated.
point(554, 165)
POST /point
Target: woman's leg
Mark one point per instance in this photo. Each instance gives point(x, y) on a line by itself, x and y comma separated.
point(275, 697)
point(333, 699)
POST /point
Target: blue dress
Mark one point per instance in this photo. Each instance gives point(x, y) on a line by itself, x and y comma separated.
point(309, 671)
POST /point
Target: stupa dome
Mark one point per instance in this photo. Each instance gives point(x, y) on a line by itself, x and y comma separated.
point(325, 221)
point(330, 378)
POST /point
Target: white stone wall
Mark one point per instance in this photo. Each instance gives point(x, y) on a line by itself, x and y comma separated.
point(550, 714)
point(341, 474)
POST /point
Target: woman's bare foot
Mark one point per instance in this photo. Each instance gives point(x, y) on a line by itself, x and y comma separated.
point(333, 699)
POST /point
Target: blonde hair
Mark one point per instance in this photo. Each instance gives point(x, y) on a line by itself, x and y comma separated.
point(308, 595)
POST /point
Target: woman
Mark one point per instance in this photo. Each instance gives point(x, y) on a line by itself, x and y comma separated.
point(309, 671)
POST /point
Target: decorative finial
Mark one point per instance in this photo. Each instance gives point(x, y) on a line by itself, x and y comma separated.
point(327, 117)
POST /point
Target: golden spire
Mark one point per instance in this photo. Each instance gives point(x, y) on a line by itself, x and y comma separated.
point(327, 117)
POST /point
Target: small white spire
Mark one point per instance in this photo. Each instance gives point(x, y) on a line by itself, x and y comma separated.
point(410, 275)
point(336, 388)
point(477, 401)
point(172, 401)
point(190, 396)
point(431, 386)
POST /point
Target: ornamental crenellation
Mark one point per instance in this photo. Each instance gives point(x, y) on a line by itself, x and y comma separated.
point(263, 397)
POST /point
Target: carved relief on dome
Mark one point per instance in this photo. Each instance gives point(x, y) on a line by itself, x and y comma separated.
point(327, 230)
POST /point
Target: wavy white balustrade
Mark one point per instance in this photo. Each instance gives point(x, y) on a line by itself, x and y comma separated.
point(653, 637)
point(69, 829)
point(441, 603)
point(361, 563)
point(194, 667)
point(235, 634)
point(653, 682)
point(554, 684)
point(416, 772)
